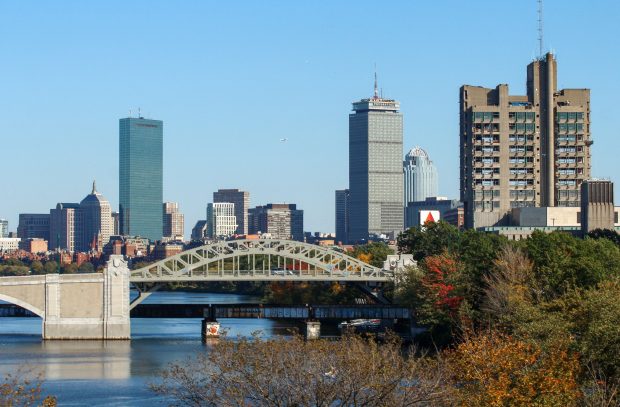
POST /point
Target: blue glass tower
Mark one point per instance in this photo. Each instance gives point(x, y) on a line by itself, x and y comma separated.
point(141, 177)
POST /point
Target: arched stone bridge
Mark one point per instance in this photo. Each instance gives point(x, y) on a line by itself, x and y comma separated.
point(96, 306)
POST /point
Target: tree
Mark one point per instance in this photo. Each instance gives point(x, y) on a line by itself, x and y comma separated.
point(70, 268)
point(294, 372)
point(37, 267)
point(23, 389)
point(50, 267)
point(86, 267)
point(432, 239)
point(608, 234)
point(493, 369)
point(374, 253)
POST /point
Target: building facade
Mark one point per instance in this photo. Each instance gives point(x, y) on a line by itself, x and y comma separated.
point(522, 151)
point(64, 225)
point(342, 216)
point(174, 221)
point(436, 203)
point(278, 221)
point(95, 222)
point(597, 205)
point(241, 199)
point(9, 244)
point(221, 220)
point(33, 225)
point(4, 228)
point(199, 231)
point(420, 176)
point(141, 177)
point(375, 170)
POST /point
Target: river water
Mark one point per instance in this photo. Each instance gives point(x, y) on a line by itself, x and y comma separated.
point(117, 373)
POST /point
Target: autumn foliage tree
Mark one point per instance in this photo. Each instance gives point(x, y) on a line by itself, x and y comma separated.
point(494, 369)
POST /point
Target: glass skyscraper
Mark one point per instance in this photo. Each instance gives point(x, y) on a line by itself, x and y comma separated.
point(375, 168)
point(420, 176)
point(141, 177)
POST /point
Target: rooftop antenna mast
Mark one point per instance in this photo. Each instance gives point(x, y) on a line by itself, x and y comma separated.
point(376, 87)
point(540, 28)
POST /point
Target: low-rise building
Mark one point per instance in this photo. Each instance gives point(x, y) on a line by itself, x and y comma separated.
point(33, 245)
point(436, 203)
point(9, 244)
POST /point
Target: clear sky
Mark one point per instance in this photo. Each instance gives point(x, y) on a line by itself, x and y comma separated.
point(231, 78)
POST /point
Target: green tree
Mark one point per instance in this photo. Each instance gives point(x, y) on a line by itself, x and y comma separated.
point(86, 267)
point(432, 239)
point(608, 234)
point(375, 252)
point(50, 267)
point(37, 267)
point(70, 268)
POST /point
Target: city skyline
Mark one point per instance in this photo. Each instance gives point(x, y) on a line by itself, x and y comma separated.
point(61, 140)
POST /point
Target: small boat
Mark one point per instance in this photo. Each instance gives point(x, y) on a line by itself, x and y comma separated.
point(360, 325)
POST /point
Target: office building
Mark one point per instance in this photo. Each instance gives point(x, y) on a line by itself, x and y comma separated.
point(9, 244)
point(241, 199)
point(522, 151)
point(115, 222)
point(436, 203)
point(221, 220)
point(342, 216)
point(64, 224)
point(375, 169)
point(141, 177)
point(174, 220)
point(33, 225)
point(199, 231)
point(277, 221)
point(95, 222)
point(4, 228)
point(420, 176)
point(33, 245)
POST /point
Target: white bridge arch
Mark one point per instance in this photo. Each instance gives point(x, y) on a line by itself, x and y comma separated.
point(260, 260)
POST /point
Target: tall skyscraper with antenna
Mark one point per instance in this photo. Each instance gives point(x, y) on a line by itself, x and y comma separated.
point(375, 171)
point(141, 177)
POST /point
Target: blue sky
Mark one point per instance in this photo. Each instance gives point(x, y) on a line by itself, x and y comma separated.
point(230, 78)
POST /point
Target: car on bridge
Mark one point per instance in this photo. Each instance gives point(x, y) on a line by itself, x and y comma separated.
point(282, 272)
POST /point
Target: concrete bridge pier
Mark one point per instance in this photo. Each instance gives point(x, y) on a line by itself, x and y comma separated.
point(210, 326)
point(88, 306)
point(313, 330)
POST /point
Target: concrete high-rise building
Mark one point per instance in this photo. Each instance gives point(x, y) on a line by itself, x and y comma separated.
point(522, 151)
point(141, 177)
point(278, 221)
point(33, 225)
point(342, 216)
point(241, 199)
point(4, 228)
point(597, 205)
point(173, 221)
point(199, 231)
point(95, 222)
point(115, 222)
point(64, 221)
point(221, 220)
point(420, 176)
point(375, 169)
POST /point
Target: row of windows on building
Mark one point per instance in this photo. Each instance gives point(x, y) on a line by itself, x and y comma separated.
point(526, 116)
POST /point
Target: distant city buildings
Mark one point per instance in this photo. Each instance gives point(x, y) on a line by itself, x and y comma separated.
point(437, 203)
point(199, 231)
point(33, 245)
point(342, 216)
point(32, 225)
point(64, 226)
point(174, 221)
point(221, 220)
point(4, 228)
point(95, 222)
point(278, 221)
point(523, 151)
point(141, 177)
point(420, 176)
point(375, 168)
point(241, 200)
point(9, 244)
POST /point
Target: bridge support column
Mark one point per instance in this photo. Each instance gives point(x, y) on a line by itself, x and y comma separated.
point(88, 306)
point(210, 326)
point(313, 330)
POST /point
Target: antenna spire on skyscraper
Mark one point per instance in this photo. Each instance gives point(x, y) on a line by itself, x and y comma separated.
point(94, 187)
point(540, 28)
point(376, 86)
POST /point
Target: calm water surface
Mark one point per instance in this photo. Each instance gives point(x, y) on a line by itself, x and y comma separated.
point(117, 373)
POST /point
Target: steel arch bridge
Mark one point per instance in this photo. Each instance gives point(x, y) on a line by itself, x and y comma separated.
point(260, 260)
